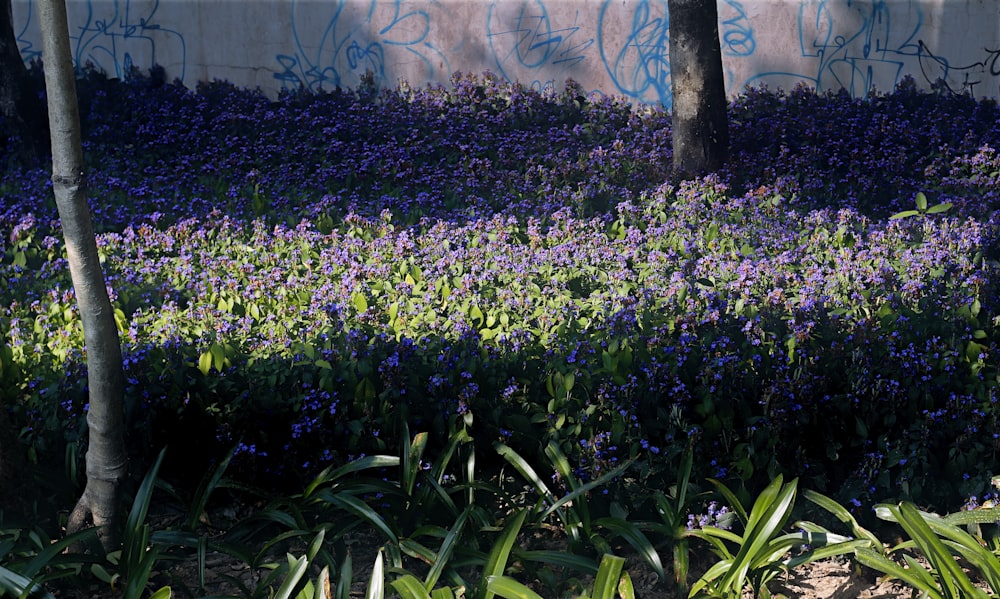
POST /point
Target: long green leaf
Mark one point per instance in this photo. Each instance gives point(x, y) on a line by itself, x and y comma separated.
point(297, 568)
point(162, 593)
point(561, 559)
point(955, 583)
point(343, 590)
point(766, 518)
point(635, 537)
point(376, 584)
point(509, 588)
point(409, 587)
point(525, 470)
point(581, 490)
point(17, 585)
point(625, 588)
point(496, 562)
point(731, 499)
point(447, 548)
point(608, 574)
point(205, 489)
point(365, 512)
point(331, 474)
point(841, 513)
point(877, 561)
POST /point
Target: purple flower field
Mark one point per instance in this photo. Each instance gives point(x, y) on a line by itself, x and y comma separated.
point(300, 278)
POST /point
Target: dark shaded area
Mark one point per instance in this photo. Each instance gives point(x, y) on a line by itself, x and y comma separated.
point(22, 111)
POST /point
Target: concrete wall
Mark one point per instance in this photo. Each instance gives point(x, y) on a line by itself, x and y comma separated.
point(608, 46)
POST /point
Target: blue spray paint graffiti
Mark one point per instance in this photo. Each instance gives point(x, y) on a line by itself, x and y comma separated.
point(736, 32)
point(346, 49)
point(110, 40)
point(522, 37)
point(854, 44)
point(28, 52)
point(638, 62)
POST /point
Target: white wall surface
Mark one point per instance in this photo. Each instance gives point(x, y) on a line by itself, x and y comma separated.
point(608, 46)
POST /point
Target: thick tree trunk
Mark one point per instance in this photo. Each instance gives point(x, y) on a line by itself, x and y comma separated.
point(20, 107)
point(700, 122)
point(106, 460)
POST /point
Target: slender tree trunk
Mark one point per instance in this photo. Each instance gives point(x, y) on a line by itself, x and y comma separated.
point(106, 460)
point(700, 122)
point(20, 107)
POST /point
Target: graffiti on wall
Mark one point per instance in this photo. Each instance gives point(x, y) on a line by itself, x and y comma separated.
point(111, 34)
point(978, 78)
point(612, 46)
point(852, 45)
point(350, 44)
point(525, 38)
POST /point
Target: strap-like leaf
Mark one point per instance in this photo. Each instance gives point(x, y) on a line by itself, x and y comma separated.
point(509, 588)
point(409, 587)
point(496, 563)
point(606, 581)
point(631, 533)
point(376, 584)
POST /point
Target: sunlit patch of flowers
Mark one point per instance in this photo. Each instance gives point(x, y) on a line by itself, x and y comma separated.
point(299, 277)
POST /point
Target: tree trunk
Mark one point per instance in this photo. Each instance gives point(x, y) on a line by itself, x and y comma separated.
point(20, 108)
point(106, 460)
point(700, 123)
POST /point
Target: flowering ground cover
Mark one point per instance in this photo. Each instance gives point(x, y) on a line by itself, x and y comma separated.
point(308, 279)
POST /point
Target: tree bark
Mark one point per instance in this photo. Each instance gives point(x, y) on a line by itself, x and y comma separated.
point(106, 460)
point(20, 106)
point(699, 120)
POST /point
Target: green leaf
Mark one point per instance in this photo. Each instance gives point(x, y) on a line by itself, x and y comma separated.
point(297, 568)
point(496, 562)
point(331, 474)
point(876, 561)
point(205, 362)
point(608, 574)
point(904, 214)
point(953, 579)
point(921, 201)
point(938, 208)
point(447, 548)
point(365, 512)
point(526, 470)
point(409, 587)
point(635, 537)
point(509, 588)
point(360, 302)
point(162, 593)
point(841, 513)
point(17, 585)
point(218, 356)
point(376, 584)
point(561, 559)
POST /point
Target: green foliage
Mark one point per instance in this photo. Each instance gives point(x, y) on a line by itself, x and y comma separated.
point(760, 551)
point(946, 547)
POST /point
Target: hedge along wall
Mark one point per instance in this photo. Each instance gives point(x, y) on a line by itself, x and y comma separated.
point(608, 46)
